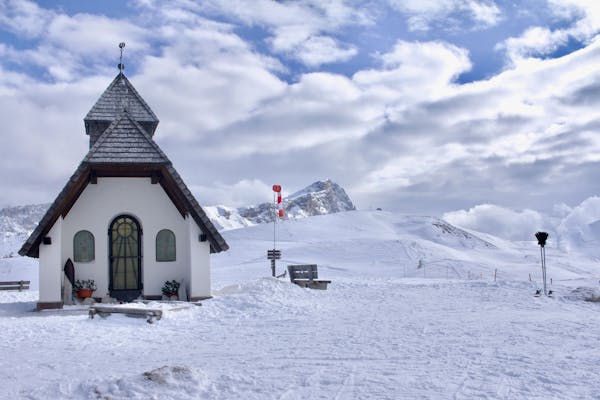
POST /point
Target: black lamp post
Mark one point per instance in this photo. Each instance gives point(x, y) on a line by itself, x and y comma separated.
point(542, 237)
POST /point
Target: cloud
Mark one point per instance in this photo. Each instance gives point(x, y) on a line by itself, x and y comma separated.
point(238, 194)
point(581, 23)
point(67, 46)
point(301, 30)
point(416, 70)
point(499, 221)
point(447, 14)
point(580, 228)
point(24, 17)
point(312, 51)
point(587, 212)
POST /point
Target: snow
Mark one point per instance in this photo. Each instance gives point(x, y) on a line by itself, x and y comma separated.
point(385, 329)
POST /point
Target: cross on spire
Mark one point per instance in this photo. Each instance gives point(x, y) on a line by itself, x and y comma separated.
point(121, 65)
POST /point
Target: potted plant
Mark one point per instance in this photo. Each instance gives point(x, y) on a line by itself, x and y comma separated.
point(84, 288)
point(170, 288)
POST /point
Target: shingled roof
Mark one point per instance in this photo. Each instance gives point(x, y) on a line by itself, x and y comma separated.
point(120, 95)
point(125, 141)
point(125, 148)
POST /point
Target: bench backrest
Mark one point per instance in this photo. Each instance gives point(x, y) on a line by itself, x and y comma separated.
point(14, 285)
point(308, 271)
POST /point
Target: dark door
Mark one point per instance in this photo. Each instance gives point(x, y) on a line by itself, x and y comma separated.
point(125, 237)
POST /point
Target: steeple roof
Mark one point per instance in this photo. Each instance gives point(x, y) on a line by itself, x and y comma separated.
point(121, 95)
point(125, 141)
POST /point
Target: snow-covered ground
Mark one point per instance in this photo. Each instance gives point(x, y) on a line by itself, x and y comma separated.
point(413, 312)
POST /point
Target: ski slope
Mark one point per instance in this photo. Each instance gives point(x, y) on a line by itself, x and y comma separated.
point(385, 329)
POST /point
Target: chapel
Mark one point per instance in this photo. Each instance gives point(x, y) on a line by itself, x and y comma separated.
point(125, 218)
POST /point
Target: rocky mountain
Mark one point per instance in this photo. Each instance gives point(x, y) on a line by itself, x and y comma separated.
point(322, 197)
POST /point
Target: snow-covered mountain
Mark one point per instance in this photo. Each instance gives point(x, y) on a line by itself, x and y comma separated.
point(320, 198)
point(16, 223)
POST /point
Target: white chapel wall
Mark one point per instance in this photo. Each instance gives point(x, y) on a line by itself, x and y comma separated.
point(199, 263)
point(100, 203)
point(50, 270)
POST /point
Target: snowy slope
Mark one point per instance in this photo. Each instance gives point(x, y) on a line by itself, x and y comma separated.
point(379, 243)
point(412, 312)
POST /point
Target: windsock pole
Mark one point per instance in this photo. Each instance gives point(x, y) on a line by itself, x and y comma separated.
point(278, 213)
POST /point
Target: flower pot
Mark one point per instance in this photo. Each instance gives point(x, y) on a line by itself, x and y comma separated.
point(84, 293)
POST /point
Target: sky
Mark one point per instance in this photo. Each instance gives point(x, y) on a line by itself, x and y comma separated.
point(416, 106)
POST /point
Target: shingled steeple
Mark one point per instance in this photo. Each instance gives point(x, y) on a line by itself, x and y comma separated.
point(118, 97)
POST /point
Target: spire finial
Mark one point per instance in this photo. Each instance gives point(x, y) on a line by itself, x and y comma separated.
point(121, 65)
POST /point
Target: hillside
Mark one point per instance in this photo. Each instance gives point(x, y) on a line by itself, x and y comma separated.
point(380, 243)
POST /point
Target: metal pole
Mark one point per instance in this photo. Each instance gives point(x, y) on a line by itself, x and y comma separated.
point(542, 255)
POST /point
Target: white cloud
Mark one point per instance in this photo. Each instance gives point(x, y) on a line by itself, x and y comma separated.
point(580, 228)
point(422, 14)
point(68, 46)
point(582, 18)
point(500, 221)
point(303, 30)
point(534, 42)
point(587, 212)
point(313, 51)
point(24, 17)
point(238, 194)
point(415, 71)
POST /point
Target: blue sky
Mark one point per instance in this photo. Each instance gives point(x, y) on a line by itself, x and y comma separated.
point(418, 106)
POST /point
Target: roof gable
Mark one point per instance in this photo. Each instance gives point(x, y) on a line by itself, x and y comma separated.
point(121, 95)
point(125, 141)
point(167, 177)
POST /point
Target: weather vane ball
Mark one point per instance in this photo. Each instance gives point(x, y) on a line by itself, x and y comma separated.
point(121, 65)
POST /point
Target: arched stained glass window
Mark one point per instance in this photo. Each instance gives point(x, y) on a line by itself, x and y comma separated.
point(83, 246)
point(125, 237)
point(165, 245)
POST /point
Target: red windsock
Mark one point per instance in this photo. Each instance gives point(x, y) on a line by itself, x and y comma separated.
point(278, 200)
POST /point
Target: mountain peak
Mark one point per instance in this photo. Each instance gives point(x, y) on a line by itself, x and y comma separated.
point(321, 197)
point(318, 198)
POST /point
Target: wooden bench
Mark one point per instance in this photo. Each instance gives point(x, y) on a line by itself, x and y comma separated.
point(307, 276)
point(148, 313)
point(15, 285)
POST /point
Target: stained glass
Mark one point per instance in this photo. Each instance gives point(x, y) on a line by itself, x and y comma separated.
point(125, 253)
